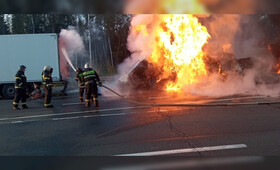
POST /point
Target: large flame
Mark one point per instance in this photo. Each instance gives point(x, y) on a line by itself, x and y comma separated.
point(178, 50)
point(278, 67)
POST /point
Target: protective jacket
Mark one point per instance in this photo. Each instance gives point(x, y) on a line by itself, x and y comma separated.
point(47, 78)
point(20, 80)
point(79, 77)
point(90, 75)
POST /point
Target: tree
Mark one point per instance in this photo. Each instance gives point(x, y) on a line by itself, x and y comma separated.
point(19, 22)
point(63, 22)
point(117, 27)
point(4, 28)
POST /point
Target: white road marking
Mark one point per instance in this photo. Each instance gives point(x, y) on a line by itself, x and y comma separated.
point(15, 122)
point(105, 115)
point(67, 118)
point(112, 114)
point(70, 104)
point(188, 150)
point(72, 113)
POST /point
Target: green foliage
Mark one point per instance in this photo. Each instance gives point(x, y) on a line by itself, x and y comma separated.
point(4, 28)
point(19, 24)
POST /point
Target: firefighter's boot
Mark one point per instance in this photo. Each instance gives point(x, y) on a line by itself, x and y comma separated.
point(87, 103)
point(50, 106)
point(96, 102)
point(24, 106)
point(15, 108)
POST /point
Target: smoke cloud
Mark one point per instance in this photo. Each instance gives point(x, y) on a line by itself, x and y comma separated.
point(72, 42)
point(139, 43)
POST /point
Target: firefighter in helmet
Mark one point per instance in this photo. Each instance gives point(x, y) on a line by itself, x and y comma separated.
point(91, 79)
point(47, 83)
point(20, 88)
point(81, 83)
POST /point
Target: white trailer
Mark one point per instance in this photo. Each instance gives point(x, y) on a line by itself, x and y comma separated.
point(32, 50)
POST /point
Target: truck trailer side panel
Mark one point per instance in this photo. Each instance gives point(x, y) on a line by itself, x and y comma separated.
point(32, 50)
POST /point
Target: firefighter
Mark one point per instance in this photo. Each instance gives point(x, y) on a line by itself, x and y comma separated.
point(47, 83)
point(20, 89)
point(81, 83)
point(91, 79)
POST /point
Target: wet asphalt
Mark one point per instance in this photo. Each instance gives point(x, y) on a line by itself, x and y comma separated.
point(119, 127)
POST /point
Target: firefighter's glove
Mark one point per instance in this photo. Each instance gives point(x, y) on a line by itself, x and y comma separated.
point(100, 84)
point(49, 86)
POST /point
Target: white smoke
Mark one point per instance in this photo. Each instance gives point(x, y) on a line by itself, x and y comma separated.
point(70, 45)
point(73, 41)
point(223, 29)
point(140, 45)
point(239, 36)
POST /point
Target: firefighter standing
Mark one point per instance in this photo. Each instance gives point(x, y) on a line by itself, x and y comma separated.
point(91, 79)
point(20, 89)
point(47, 83)
point(81, 83)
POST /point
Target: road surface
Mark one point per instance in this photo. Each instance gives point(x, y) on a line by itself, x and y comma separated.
point(121, 128)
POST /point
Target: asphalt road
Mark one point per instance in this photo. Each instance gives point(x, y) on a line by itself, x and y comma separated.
point(121, 128)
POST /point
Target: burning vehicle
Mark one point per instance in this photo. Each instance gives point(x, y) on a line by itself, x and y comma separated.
point(146, 76)
point(178, 60)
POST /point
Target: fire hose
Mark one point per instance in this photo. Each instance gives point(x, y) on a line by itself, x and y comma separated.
point(189, 104)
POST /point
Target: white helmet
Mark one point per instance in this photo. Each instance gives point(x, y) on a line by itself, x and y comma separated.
point(47, 68)
point(87, 65)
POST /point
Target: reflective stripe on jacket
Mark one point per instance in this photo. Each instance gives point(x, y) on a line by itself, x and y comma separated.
point(46, 77)
point(20, 80)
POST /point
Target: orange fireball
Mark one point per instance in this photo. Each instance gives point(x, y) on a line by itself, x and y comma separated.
point(178, 50)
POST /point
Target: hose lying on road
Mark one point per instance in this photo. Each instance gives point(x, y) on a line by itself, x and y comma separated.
point(189, 104)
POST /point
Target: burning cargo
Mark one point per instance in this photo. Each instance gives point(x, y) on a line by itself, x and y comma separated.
point(147, 76)
point(143, 75)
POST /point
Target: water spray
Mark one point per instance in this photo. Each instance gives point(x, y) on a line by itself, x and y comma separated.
point(67, 58)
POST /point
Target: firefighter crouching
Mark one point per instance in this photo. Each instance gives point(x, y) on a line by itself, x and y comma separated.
point(47, 83)
point(91, 79)
point(79, 79)
point(20, 89)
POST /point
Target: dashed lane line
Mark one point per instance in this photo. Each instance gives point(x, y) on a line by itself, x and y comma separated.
point(72, 113)
point(188, 150)
point(68, 118)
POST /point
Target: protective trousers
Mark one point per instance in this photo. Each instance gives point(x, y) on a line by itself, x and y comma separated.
point(20, 95)
point(48, 95)
point(81, 93)
point(91, 92)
